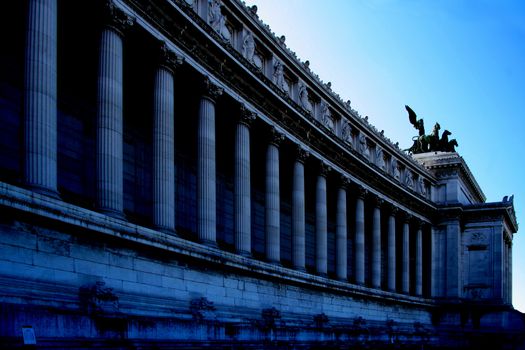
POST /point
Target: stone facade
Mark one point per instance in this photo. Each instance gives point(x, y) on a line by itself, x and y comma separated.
point(172, 176)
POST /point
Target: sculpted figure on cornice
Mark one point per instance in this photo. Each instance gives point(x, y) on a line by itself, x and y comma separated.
point(278, 76)
point(217, 20)
point(325, 116)
point(363, 146)
point(304, 101)
point(395, 169)
point(346, 132)
point(380, 158)
point(421, 187)
point(409, 181)
point(248, 50)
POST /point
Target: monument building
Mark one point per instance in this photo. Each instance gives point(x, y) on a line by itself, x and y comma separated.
point(173, 176)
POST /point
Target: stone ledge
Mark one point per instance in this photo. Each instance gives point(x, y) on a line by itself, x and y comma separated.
point(58, 211)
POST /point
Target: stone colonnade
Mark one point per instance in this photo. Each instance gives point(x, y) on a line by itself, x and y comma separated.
point(40, 113)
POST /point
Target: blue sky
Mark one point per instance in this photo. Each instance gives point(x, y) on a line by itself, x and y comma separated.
point(457, 62)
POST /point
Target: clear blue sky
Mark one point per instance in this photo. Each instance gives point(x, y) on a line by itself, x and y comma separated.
point(457, 62)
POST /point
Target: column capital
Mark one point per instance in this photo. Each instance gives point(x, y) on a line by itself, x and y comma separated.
point(361, 192)
point(419, 223)
point(301, 154)
point(169, 59)
point(210, 89)
point(407, 217)
point(246, 116)
point(393, 210)
point(276, 137)
point(117, 19)
point(378, 201)
point(344, 181)
point(324, 169)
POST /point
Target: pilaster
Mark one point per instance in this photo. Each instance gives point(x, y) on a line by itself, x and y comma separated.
point(298, 210)
point(341, 234)
point(206, 173)
point(164, 141)
point(110, 198)
point(40, 98)
point(242, 182)
point(321, 221)
point(360, 236)
point(376, 243)
point(272, 214)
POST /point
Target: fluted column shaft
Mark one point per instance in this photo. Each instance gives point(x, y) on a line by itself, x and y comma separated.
point(272, 211)
point(40, 100)
point(419, 261)
point(206, 175)
point(242, 184)
point(110, 197)
point(341, 233)
point(164, 145)
point(392, 250)
point(321, 224)
point(298, 212)
point(376, 245)
point(405, 277)
point(360, 238)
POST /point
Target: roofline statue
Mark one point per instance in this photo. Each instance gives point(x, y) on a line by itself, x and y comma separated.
point(429, 143)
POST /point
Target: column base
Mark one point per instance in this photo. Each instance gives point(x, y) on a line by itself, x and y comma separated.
point(245, 254)
point(274, 262)
point(322, 274)
point(43, 191)
point(209, 243)
point(342, 279)
point(166, 230)
point(116, 214)
point(300, 268)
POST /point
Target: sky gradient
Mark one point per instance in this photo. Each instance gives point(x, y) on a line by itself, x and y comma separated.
point(457, 62)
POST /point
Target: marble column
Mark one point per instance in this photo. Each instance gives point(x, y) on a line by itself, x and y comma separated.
point(376, 244)
point(321, 222)
point(272, 210)
point(40, 99)
point(405, 253)
point(419, 260)
point(164, 142)
point(341, 266)
point(392, 250)
point(242, 203)
point(360, 237)
point(110, 198)
point(298, 211)
point(206, 175)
